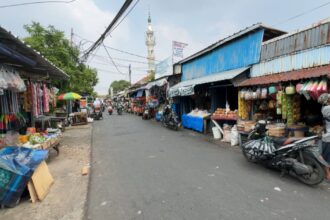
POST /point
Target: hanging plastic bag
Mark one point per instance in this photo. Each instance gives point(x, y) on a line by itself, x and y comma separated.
point(304, 90)
point(322, 88)
point(263, 93)
point(312, 90)
point(3, 80)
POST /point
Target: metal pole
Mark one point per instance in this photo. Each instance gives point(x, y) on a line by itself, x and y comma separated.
point(71, 37)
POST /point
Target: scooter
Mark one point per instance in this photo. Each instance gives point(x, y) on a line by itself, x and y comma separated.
point(169, 118)
point(119, 109)
point(110, 110)
point(147, 113)
point(97, 114)
point(298, 157)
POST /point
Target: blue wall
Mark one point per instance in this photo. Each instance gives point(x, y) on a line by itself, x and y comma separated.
point(236, 54)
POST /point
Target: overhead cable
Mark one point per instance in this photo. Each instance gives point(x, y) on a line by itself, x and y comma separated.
point(303, 13)
point(37, 2)
point(100, 40)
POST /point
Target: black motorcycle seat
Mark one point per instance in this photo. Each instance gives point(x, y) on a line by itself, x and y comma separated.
point(281, 141)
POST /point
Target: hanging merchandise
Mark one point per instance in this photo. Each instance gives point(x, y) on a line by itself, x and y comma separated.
point(290, 90)
point(248, 95)
point(284, 106)
point(27, 104)
point(45, 98)
point(272, 90)
point(312, 90)
point(299, 86)
point(10, 118)
point(279, 103)
point(296, 108)
point(289, 113)
point(34, 100)
point(322, 87)
point(305, 89)
point(263, 93)
point(244, 107)
point(10, 79)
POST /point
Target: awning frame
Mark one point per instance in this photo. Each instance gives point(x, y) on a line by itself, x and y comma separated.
point(186, 88)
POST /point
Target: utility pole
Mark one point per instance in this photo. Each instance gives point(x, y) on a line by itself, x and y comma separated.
point(130, 74)
point(71, 37)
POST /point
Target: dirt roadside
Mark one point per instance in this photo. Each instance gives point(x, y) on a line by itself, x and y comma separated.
point(67, 197)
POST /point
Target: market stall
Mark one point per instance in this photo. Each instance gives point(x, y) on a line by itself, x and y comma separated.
point(290, 105)
point(27, 100)
point(196, 120)
point(156, 96)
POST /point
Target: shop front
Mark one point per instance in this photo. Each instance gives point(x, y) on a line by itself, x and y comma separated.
point(156, 97)
point(288, 100)
point(27, 98)
point(215, 94)
point(138, 100)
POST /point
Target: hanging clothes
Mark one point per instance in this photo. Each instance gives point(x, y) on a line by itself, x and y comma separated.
point(34, 100)
point(45, 98)
point(27, 106)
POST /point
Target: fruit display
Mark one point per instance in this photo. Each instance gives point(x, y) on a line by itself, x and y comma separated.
point(221, 113)
point(284, 106)
point(289, 113)
point(279, 103)
point(296, 108)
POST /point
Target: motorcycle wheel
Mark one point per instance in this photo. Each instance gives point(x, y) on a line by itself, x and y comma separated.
point(317, 176)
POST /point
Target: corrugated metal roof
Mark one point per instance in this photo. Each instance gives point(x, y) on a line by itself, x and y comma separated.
point(288, 76)
point(313, 36)
point(301, 60)
point(240, 53)
point(206, 79)
point(43, 65)
point(254, 27)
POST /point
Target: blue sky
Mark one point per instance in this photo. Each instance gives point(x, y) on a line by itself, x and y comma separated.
point(198, 23)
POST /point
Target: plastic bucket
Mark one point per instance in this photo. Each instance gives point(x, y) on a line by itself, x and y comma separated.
point(216, 133)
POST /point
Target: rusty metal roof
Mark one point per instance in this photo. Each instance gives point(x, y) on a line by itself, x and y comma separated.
point(313, 36)
point(288, 76)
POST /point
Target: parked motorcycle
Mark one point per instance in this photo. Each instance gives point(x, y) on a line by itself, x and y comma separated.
point(110, 110)
point(170, 119)
point(298, 157)
point(148, 112)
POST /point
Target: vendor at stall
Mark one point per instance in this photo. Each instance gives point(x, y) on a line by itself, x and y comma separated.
point(324, 99)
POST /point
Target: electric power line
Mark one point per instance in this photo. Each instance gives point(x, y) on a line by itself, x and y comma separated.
point(112, 60)
point(100, 40)
point(121, 59)
point(115, 72)
point(302, 13)
point(37, 2)
point(124, 17)
point(142, 69)
point(118, 50)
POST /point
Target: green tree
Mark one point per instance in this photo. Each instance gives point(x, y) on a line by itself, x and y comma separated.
point(52, 43)
point(119, 85)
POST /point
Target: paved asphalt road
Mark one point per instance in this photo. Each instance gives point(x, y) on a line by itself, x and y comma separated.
point(141, 170)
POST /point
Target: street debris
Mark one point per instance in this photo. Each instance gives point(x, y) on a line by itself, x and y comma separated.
point(85, 170)
point(277, 189)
